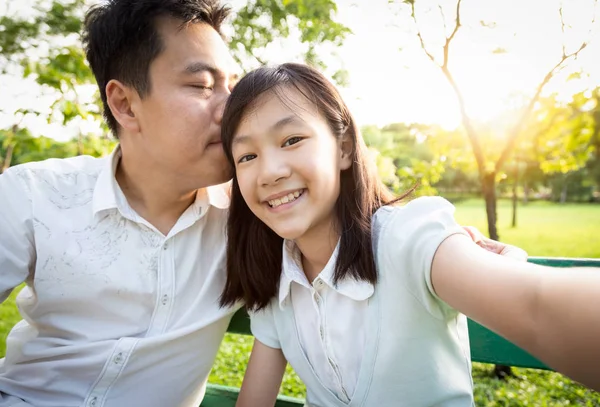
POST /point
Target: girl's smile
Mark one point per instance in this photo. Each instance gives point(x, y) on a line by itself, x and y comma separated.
point(284, 200)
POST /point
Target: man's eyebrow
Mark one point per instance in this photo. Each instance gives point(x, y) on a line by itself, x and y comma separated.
point(197, 67)
point(291, 119)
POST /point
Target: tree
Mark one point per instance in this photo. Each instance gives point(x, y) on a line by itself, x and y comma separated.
point(568, 145)
point(488, 170)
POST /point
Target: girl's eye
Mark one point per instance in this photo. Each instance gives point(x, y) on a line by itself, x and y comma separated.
point(246, 158)
point(292, 141)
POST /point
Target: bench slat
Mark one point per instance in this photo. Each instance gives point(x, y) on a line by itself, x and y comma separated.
point(223, 396)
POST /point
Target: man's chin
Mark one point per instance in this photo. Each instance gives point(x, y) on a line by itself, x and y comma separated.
point(211, 181)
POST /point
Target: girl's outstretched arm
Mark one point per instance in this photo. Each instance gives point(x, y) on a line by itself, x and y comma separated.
point(263, 377)
point(552, 313)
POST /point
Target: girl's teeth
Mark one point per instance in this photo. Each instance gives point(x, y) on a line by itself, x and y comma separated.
point(286, 199)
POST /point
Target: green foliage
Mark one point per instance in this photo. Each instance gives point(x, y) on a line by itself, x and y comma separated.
point(49, 21)
point(560, 146)
point(260, 22)
point(404, 157)
point(26, 148)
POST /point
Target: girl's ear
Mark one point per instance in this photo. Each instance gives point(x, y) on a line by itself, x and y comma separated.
point(346, 150)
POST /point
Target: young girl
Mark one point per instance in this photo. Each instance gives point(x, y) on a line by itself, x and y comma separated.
point(362, 297)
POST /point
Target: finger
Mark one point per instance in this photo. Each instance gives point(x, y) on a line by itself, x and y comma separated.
point(514, 253)
point(492, 245)
point(474, 233)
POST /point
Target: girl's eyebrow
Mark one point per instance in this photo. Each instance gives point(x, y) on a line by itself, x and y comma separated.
point(291, 119)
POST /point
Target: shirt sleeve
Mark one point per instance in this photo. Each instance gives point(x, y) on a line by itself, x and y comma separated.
point(17, 251)
point(262, 325)
point(411, 238)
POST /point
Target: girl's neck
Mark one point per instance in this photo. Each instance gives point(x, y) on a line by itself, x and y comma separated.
point(316, 250)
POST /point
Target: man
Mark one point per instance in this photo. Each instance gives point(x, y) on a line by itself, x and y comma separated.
point(123, 256)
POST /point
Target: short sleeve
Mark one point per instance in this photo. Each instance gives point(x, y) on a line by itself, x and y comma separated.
point(408, 244)
point(17, 252)
point(262, 325)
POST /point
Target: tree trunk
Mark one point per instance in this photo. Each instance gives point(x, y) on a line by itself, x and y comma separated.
point(488, 184)
point(563, 192)
point(525, 192)
point(514, 195)
point(79, 145)
point(7, 158)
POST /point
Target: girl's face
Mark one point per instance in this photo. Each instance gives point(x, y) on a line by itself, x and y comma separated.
point(288, 165)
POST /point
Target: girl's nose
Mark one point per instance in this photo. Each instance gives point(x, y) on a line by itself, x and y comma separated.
point(273, 170)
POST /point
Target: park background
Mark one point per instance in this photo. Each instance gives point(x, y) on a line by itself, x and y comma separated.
point(492, 104)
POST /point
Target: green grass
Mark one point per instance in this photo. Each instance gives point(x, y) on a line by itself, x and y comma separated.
point(543, 229)
point(9, 315)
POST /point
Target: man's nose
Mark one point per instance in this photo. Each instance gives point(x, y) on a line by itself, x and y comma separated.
point(221, 107)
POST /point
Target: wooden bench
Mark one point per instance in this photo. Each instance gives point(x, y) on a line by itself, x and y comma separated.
point(486, 346)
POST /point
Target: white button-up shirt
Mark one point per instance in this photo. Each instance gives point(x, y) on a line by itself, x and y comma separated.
point(328, 319)
point(114, 312)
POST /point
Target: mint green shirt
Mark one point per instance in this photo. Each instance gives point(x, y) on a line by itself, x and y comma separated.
point(417, 347)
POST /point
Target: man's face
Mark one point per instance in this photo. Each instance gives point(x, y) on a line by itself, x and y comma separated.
point(180, 118)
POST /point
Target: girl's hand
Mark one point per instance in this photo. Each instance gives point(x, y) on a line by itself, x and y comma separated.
point(494, 246)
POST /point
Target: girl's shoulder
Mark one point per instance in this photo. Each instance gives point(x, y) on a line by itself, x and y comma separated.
point(405, 240)
point(414, 212)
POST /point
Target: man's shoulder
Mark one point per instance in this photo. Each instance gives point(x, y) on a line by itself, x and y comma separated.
point(83, 163)
point(54, 175)
point(59, 167)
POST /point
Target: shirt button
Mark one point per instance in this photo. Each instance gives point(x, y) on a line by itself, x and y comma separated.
point(165, 298)
point(119, 358)
point(321, 332)
point(319, 283)
point(166, 246)
point(93, 401)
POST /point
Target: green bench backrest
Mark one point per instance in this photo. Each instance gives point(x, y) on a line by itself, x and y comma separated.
point(486, 346)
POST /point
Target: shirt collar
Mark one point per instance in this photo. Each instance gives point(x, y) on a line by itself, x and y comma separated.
point(105, 196)
point(292, 271)
point(108, 193)
point(218, 195)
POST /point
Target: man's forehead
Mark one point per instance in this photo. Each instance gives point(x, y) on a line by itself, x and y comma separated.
point(200, 45)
